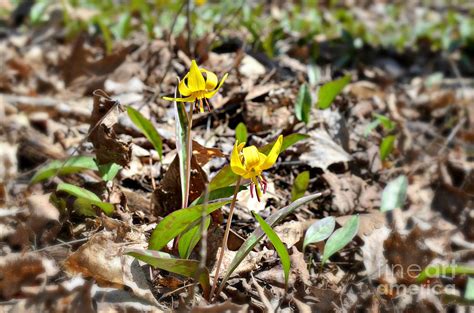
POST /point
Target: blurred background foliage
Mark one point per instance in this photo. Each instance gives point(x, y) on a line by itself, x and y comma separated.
point(296, 28)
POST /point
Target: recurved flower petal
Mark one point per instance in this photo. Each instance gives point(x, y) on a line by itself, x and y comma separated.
point(211, 79)
point(183, 88)
point(273, 155)
point(235, 163)
point(210, 94)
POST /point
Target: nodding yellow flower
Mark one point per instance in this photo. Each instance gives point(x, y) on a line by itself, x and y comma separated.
point(249, 163)
point(194, 87)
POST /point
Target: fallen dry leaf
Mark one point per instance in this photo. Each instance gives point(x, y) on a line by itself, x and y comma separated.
point(108, 147)
point(321, 151)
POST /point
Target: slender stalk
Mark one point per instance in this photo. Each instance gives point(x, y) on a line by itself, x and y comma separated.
point(189, 144)
point(226, 237)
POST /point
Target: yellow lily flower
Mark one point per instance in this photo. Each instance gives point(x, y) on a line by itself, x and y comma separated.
point(194, 87)
point(249, 163)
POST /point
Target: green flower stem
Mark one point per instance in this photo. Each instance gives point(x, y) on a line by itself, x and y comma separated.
point(190, 156)
point(226, 237)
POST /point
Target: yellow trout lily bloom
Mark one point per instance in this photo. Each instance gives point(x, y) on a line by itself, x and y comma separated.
point(249, 163)
point(194, 87)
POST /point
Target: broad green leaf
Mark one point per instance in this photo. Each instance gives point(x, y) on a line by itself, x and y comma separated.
point(85, 197)
point(226, 177)
point(217, 194)
point(300, 185)
point(179, 221)
point(109, 171)
point(469, 294)
point(223, 178)
point(279, 246)
point(394, 194)
point(73, 165)
point(386, 146)
point(189, 239)
point(184, 147)
point(341, 237)
point(319, 231)
point(437, 270)
point(303, 104)
point(288, 141)
point(329, 91)
point(241, 133)
point(147, 129)
point(258, 233)
point(165, 261)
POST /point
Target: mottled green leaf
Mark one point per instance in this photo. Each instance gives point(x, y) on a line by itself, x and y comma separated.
point(179, 221)
point(319, 231)
point(189, 239)
point(279, 246)
point(394, 194)
point(341, 237)
point(217, 194)
point(258, 233)
point(165, 261)
point(288, 141)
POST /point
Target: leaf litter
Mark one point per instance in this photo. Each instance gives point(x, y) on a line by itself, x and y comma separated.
point(53, 107)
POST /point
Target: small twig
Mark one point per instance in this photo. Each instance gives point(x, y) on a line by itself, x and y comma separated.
point(226, 237)
point(67, 243)
point(188, 26)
